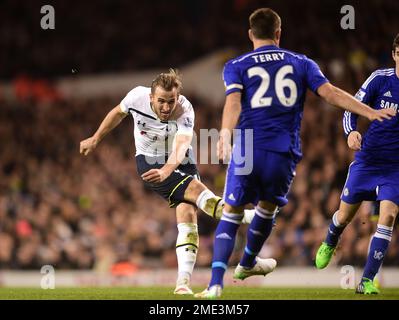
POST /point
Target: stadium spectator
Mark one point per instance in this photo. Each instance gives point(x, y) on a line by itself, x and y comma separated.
point(56, 208)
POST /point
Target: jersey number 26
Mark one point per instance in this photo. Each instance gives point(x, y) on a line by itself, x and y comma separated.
point(259, 100)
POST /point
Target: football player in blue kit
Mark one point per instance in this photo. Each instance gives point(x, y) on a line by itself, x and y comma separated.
point(373, 175)
point(265, 94)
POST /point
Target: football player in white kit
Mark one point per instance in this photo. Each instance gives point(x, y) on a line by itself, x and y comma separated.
point(164, 123)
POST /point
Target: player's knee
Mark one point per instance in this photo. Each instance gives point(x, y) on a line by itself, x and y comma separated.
point(233, 209)
point(346, 212)
point(186, 213)
point(343, 220)
point(387, 217)
point(388, 212)
point(194, 189)
point(268, 206)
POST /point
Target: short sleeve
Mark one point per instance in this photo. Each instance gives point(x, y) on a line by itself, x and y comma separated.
point(367, 92)
point(232, 78)
point(314, 77)
point(185, 123)
point(130, 100)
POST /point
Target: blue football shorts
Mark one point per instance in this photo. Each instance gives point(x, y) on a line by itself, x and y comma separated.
point(269, 179)
point(368, 182)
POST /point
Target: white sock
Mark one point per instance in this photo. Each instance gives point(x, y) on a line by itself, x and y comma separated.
point(209, 206)
point(186, 251)
point(207, 194)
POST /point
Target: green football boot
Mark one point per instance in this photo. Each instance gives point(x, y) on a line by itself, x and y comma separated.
point(366, 286)
point(324, 255)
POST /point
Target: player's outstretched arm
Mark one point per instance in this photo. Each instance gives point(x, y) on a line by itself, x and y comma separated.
point(231, 114)
point(111, 120)
point(344, 100)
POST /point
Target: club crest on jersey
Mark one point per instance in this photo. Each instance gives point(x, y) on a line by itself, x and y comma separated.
point(188, 122)
point(378, 255)
point(360, 95)
point(346, 192)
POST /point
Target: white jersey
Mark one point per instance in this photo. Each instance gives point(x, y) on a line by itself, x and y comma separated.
point(152, 136)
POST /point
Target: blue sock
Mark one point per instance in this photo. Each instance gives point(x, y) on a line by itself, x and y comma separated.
point(223, 246)
point(334, 231)
point(258, 231)
point(378, 247)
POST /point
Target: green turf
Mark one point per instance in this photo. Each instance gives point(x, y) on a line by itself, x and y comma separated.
point(165, 293)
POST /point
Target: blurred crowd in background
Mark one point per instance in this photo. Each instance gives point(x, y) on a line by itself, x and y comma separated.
point(123, 35)
point(58, 207)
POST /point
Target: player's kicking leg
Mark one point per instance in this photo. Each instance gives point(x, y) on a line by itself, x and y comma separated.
point(378, 247)
point(208, 202)
point(183, 190)
point(340, 220)
point(186, 246)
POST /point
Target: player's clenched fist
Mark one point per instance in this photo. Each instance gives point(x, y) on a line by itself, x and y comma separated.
point(88, 145)
point(355, 140)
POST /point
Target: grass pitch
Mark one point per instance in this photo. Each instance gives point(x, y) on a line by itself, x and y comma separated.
point(166, 293)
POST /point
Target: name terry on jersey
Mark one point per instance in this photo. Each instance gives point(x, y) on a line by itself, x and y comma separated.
point(269, 57)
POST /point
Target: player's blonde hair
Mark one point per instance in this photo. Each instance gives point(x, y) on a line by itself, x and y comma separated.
point(168, 81)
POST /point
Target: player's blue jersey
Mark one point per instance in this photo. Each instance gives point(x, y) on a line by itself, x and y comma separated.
point(380, 144)
point(273, 84)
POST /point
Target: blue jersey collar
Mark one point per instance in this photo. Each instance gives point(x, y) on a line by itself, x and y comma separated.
point(267, 47)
